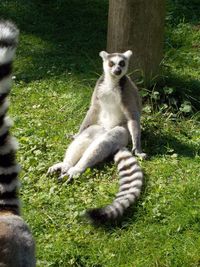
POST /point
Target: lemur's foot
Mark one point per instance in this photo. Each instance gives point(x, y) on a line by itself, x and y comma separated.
point(64, 171)
point(71, 173)
point(60, 178)
point(74, 172)
point(65, 168)
point(55, 168)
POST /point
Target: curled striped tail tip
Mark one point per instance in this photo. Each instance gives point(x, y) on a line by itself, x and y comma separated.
point(97, 216)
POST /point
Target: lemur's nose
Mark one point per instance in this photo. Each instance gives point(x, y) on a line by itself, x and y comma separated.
point(117, 71)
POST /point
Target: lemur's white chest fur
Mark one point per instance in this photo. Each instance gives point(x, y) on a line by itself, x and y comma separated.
point(111, 113)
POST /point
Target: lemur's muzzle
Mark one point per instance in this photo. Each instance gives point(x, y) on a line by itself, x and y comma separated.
point(117, 71)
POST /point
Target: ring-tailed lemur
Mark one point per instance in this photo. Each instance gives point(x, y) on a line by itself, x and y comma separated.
point(16, 243)
point(112, 120)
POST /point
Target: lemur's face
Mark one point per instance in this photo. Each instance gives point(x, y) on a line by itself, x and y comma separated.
point(116, 64)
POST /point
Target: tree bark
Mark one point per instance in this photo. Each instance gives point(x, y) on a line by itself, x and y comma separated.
point(138, 25)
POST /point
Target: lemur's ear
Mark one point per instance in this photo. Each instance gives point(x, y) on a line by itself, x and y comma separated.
point(128, 54)
point(103, 55)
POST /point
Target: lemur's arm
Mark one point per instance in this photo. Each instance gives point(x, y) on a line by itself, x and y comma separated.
point(135, 132)
point(90, 118)
point(132, 108)
point(92, 114)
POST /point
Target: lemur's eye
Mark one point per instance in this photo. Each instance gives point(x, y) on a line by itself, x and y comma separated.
point(111, 64)
point(122, 63)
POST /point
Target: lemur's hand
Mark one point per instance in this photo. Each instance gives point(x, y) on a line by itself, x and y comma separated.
point(75, 135)
point(71, 136)
point(139, 153)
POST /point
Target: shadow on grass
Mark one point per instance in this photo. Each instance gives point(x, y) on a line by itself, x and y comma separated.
point(184, 10)
point(185, 89)
point(166, 144)
point(158, 143)
point(129, 216)
point(65, 35)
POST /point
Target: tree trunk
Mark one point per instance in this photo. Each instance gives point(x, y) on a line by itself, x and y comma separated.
point(138, 25)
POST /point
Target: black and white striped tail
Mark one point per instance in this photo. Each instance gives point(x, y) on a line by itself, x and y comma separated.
point(130, 184)
point(9, 168)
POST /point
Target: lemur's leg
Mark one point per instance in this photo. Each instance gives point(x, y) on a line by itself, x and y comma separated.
point(77, 148)
point(79, 145)
point(105, 145)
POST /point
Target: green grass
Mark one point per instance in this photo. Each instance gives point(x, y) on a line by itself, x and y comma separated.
point(56, 67)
